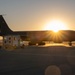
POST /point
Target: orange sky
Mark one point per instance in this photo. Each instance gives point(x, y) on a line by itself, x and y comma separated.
point(34, 14)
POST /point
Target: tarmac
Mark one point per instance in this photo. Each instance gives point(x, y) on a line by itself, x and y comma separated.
point(38, 60)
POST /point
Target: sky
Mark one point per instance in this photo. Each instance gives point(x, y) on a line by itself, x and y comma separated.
point(35, 14)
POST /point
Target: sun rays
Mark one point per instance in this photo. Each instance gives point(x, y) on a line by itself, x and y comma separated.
point(55, 25)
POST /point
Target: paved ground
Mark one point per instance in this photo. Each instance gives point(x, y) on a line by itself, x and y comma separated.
point(38, 60)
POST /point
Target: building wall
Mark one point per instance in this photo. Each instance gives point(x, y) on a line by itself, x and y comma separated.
point(11, 40)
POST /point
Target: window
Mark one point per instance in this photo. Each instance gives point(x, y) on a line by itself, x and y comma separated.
point(9, 38)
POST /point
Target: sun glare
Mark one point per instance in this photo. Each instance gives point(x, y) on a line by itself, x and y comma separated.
point(55, 26)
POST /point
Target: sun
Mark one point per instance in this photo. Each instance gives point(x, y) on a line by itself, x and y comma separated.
point(55, 25)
